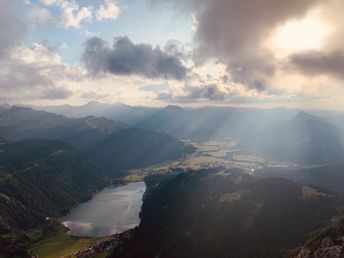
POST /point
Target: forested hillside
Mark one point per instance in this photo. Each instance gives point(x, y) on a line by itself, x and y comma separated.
point(227, 214)
point(39, 180)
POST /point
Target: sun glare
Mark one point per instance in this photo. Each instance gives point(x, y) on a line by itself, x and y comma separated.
point(301, 35)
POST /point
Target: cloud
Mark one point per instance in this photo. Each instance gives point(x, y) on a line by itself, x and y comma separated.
point(320, 63)
point(109, 10)
point(12, 30)
point(37, 72)
point(72, 15)
point(127, 58)
point(89, 95)
point(64, 45)
point(49, 2)
point(208, 92)
point(193, 23)
point(234, 32)
point(178, 49)
point(87, 33)
point(329, 60)
point(214, 94)
point(154, 87)
point(55, 93)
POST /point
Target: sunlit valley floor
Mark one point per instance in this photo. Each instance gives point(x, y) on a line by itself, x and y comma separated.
point(216, 194)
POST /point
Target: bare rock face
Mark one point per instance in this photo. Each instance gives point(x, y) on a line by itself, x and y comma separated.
point(327, 242)
point(304, 253)
point(329, 252)
point(328, 249)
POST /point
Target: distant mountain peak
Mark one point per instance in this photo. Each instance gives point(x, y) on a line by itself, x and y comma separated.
point(304, 117)
point(303, 114)
point(100, 104)
point(93, 103)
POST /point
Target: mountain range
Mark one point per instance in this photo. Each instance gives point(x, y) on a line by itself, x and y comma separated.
point(276, 134)
point(196, 124)
point(111, 144)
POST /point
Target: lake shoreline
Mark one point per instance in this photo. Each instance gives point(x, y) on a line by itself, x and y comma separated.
point(91, 218)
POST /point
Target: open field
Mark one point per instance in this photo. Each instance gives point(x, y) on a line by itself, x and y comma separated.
point(210, 154)
point(60, 244)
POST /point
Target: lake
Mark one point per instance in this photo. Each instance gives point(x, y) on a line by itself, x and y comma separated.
point(110, 211)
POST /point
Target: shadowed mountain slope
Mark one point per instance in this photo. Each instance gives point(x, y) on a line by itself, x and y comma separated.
point(204, 214)
point(40, 179)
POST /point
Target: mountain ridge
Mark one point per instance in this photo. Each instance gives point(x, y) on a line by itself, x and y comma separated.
point(110, 143)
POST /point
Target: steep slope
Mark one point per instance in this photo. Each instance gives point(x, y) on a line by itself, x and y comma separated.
point(227, 214)
point(40, 179)
point(304, 139)
point(111, 144)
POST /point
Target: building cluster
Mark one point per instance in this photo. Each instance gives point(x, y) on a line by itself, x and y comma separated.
point(102, 246)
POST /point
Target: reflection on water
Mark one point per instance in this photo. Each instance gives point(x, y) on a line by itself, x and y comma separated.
point(111, 211)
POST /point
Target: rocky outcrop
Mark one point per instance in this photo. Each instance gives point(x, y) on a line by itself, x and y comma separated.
point(329, 248)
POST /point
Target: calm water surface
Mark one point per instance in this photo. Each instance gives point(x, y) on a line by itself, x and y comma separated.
point(110, 211)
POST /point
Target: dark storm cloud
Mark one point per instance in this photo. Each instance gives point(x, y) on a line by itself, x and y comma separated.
point(127, 58)
point(320, 63)
point(233, 32)
point(177, 49)
point(11, 28)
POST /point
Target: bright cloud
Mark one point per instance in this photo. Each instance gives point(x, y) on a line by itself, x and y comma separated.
point(109, 10)
point(72, 15)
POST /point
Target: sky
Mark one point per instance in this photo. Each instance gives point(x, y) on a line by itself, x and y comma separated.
point(261, 53)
